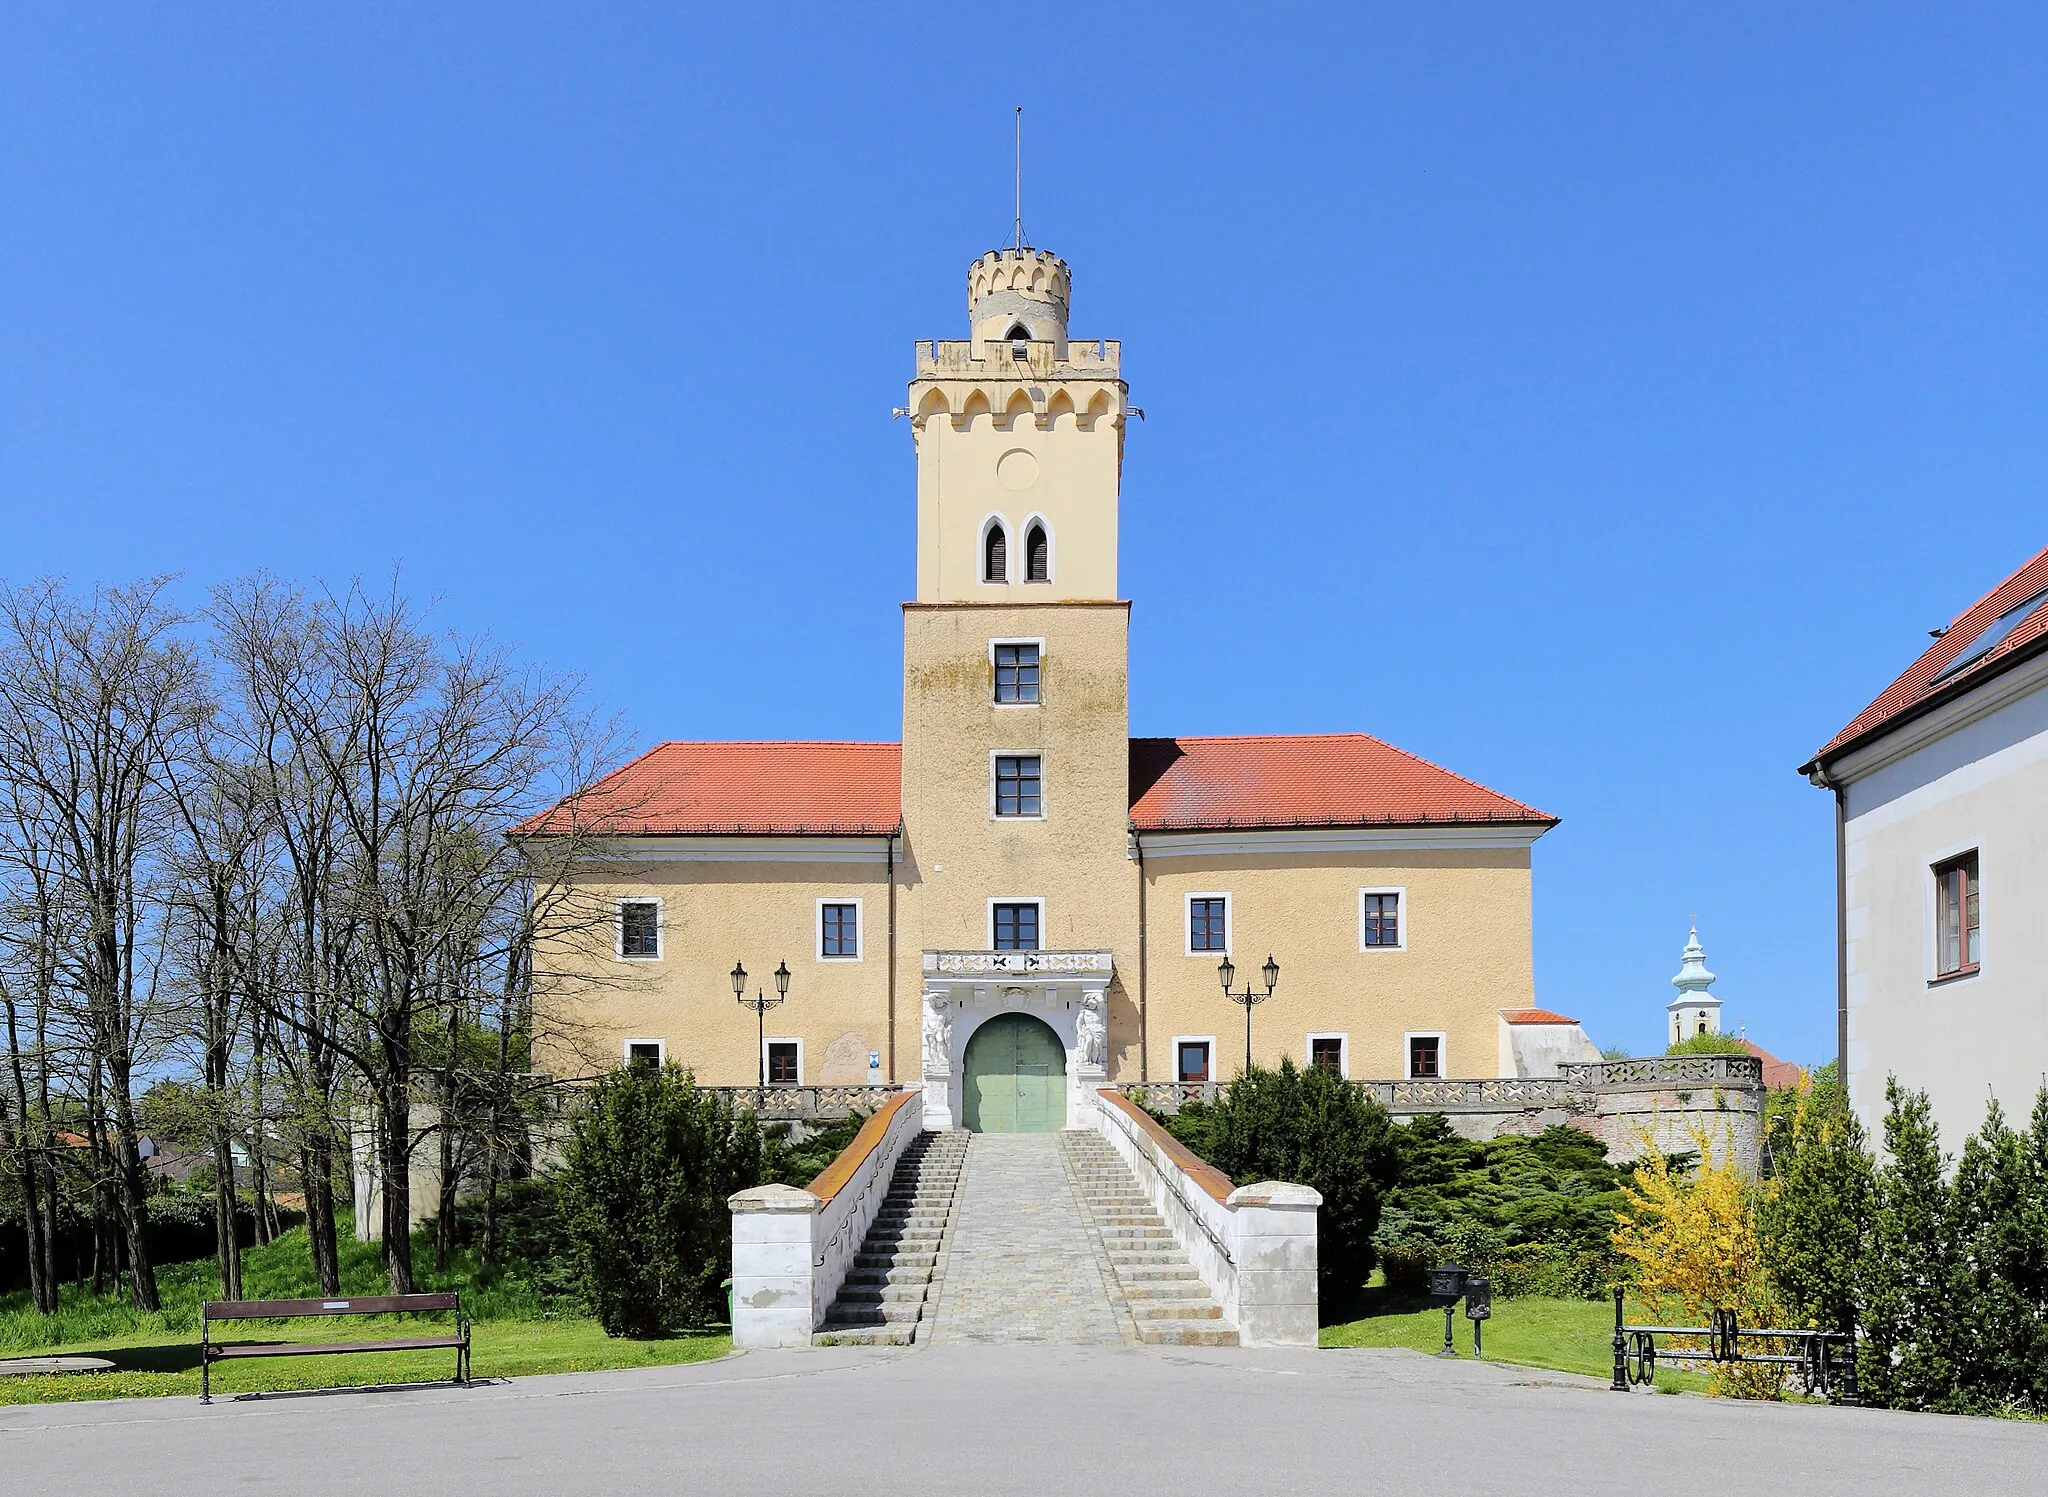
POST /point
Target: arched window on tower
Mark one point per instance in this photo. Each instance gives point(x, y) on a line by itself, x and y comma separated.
point(1037, 555)
point(995, 554)
point(1018, 334)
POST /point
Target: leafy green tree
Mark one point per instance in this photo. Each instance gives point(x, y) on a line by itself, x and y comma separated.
point(651, 1161)
point(1707, 1044)
point(1311, 1128)
point(2001, 1235)
point(1814, 1208)
point(1906, 1358)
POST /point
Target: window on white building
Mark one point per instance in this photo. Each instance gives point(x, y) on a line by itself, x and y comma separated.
point(1956, 936)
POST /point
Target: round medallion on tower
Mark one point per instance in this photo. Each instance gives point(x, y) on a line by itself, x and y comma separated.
point(1019, 295)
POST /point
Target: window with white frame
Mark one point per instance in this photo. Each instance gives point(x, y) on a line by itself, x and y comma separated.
point(1014, 923)
point(1191, 1056)
point(1208, 924)
point(1957, 937)
point(1425, 1056)
point(639, 930)
point(1326, 1052)
point(1381, 922)
point(1019, 785)
point(1016, 664)
point(785, 1062)
point(839, 930)
point(645, 1052)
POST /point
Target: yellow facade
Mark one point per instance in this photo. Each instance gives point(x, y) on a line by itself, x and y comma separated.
point(1022, 428)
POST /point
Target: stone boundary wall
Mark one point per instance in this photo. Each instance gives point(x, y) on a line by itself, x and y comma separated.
point(1664, 1099)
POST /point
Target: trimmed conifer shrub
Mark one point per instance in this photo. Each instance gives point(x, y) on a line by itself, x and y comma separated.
point(651, 1161)
point(1311, 1128)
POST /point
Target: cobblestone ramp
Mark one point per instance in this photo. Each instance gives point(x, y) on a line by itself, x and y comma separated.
point(1022, 1261)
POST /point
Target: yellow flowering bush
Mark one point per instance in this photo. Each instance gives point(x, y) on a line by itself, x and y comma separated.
point(1693, 1240)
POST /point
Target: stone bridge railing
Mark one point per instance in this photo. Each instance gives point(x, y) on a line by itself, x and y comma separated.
point(791, 1248)
point(1254, 1246)
point(804, 1104)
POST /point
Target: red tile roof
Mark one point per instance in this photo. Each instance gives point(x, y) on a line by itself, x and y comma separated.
point(1533, 1016)
point(1917, 688)
point(855, 789)
point(736, 789)
point(1777, 1073)
point(1316, 780)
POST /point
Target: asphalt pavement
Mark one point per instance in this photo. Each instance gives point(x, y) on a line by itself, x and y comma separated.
point(1016, 1418)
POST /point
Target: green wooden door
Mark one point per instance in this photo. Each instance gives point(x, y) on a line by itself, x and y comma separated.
point(1016, 1077)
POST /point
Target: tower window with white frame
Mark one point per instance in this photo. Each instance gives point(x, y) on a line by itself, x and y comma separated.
point(1019, 785)
point(1037, 553)
point(1208, 924)
point(995, 553)
point(1017, 672)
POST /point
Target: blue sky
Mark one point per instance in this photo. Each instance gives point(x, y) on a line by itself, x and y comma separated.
point(1602, 401)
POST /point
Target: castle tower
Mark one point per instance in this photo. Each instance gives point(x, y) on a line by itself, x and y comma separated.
point(1694, 1010)
point(1016, 729)
point(1019, 444)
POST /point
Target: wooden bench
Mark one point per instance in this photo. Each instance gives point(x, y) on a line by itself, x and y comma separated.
point(294, 1309)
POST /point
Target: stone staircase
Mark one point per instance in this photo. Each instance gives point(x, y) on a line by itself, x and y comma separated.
point(1168, 1304)
point(883, 1298)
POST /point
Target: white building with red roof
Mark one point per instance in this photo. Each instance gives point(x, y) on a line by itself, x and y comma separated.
point(1019, 900)
point(1941, 796)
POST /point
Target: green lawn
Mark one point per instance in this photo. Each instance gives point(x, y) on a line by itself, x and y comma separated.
point(513, 1332)
point(1564, 1335)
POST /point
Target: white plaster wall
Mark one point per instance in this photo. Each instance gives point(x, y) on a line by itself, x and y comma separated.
point(1982, 785)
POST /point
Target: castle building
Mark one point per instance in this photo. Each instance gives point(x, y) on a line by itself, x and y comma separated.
point(1019, 900)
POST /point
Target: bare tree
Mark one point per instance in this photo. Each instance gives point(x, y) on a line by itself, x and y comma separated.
point(396, 760)
point(95, 695)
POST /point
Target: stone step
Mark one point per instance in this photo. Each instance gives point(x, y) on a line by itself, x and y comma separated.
point(1148, 1258)
point(867, 1314)
point(832, 1333)
point(1205, 1333)
point(1176, 1309)
point(868, 1259)
point(1169, 1266)
point(1186, 1288)
point(893, 1274)
point(881, 1294)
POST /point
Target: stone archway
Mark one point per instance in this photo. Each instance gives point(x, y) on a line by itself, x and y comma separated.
point(1014, 1077)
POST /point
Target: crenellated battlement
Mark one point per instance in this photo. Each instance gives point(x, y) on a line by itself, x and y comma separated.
point(1035, 273)
point(964, 358)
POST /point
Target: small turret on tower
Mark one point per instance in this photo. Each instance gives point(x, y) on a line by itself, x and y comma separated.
point(1694, 1011)
point(1017, 296)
